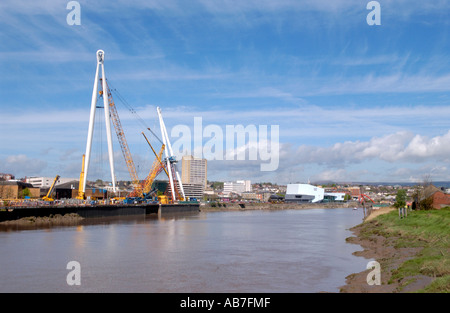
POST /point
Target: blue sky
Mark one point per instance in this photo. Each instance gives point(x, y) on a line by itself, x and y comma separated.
point(353, 102)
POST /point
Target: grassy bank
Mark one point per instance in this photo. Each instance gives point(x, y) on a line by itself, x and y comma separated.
point(414, 250)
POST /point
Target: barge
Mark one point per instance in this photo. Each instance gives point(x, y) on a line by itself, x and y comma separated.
point(93, 211)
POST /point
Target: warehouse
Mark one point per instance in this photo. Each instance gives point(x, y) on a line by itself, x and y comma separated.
point(14, 189)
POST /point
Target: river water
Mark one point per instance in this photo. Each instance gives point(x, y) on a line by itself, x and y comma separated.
point(295, 251)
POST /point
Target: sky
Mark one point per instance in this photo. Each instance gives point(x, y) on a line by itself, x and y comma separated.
point(351, 101)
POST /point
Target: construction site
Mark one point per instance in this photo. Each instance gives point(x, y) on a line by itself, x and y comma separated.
point(144, 195)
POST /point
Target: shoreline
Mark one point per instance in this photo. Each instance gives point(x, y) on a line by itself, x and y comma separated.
point(390, 256)
point(275, 206)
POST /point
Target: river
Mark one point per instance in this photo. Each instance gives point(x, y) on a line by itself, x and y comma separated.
point(294, 251)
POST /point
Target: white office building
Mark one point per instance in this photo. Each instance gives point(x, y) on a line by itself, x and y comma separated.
point(247, 185)
point(46, 182)
point(237, 187)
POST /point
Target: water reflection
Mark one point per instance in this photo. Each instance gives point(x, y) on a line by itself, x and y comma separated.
point(78, 223)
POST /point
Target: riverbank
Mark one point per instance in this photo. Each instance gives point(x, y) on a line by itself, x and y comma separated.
point(413, 252)
point(220, 207)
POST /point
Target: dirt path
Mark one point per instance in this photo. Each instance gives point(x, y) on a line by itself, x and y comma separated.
point(379, 211)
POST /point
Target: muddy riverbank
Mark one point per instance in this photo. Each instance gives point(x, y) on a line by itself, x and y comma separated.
point(410, 260)
point(217, 207)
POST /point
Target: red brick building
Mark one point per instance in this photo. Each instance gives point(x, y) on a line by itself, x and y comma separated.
point(440, 199)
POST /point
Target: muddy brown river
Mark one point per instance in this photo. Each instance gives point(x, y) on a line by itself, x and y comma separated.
point(247, 251)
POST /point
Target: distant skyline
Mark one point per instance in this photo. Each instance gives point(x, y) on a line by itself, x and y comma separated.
point(353, 102)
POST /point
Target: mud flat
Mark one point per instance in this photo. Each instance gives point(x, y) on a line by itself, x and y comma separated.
point(33, 222)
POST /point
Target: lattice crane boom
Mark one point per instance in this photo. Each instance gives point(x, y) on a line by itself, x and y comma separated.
point(157, 167)
point(121, 137)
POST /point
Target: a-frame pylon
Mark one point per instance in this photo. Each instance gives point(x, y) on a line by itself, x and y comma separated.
point(100, 61)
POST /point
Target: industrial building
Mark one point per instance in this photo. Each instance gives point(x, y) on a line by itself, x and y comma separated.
point(13, 189)
point(69, 190)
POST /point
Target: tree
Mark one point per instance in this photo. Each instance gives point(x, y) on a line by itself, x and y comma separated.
point(400, 199)
point(25, 193)
point(423, 194)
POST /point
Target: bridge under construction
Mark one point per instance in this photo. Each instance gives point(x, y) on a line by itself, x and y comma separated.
point(143, 199)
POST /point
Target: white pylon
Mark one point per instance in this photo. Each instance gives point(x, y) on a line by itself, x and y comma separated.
point(170, 158)
point(100, 61)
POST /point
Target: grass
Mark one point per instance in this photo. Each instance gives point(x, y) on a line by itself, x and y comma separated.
point(427, 230)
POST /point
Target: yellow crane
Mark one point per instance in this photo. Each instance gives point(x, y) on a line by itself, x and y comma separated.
point(81, 195)
point(50, 191)
point(121, 137)
point(158, 166)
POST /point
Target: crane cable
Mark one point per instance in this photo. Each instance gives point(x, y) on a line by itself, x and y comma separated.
point(132, 110)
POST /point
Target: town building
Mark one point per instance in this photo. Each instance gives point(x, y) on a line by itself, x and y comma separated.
point(251, 196)
point(439, 198)
point(194, 170)
point(194, 173)
point(4, 176)
point(193, 191)
point(247, 185)
point(355, 192)
point(237, 187)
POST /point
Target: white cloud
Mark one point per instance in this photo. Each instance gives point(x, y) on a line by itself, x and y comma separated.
point(21, 165)
point(339, 175)
point(399, 147)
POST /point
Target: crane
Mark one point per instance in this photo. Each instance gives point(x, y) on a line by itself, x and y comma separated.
point(81, 194)
point(362, 200)
point(121, 137)
point(50, 191)
point(143, 190)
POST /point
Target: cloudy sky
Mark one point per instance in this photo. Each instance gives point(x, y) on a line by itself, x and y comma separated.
point(353, 102)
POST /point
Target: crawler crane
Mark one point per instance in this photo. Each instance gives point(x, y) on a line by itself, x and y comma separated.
point(50, 191)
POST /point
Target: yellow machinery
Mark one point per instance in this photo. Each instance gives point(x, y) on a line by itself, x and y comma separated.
point(158, 166)
point(144, 188)
point(121, 137)
point(163, 199)
point(50, 191)
point(81, 195)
